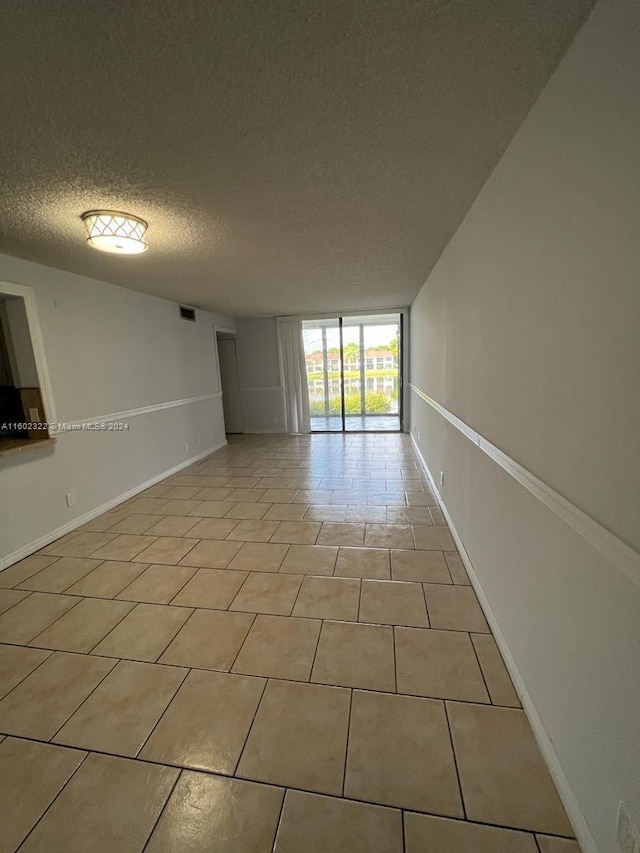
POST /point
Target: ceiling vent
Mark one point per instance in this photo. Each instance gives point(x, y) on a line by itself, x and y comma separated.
point(188, 313)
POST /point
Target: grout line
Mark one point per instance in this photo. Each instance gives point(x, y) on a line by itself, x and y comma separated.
point(346, 746)
point(455, 760)
point(481, 668)
point(162, 810)
point(168, 705)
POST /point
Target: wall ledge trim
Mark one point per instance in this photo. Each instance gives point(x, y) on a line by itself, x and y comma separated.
point(544, 741)
point(42, 541)
point(617, 552)
point(134, 413)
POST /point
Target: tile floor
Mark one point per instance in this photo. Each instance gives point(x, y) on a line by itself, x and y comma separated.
point(276, 649)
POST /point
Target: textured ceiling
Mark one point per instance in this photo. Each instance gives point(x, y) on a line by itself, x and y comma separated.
point(290, 156)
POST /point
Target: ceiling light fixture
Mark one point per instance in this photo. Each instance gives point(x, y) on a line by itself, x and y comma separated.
point(113, 231)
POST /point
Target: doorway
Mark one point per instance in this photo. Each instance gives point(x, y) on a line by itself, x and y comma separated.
point(229, 382)
point(354, 373)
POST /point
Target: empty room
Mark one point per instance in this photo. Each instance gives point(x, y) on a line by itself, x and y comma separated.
point(320, 426)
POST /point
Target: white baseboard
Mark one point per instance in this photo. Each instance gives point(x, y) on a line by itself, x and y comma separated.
point(278, 431)
point(574, 812)
point(37, 544)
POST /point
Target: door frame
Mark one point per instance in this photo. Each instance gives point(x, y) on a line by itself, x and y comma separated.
point(229, 334)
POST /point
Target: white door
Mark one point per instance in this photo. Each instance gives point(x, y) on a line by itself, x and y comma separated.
point(230, 385)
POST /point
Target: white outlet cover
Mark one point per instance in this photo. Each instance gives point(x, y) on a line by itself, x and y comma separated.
point(71, 498)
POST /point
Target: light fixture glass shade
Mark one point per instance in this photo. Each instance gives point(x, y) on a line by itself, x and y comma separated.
point(112, 231)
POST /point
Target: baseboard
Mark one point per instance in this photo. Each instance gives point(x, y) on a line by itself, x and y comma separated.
point(37, 544)
point(574, 812)
point(278, 431)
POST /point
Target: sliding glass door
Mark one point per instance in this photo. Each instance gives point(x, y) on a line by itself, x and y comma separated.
point(354, 373)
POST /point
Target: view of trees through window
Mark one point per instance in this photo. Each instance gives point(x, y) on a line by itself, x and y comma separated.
point(368, 364)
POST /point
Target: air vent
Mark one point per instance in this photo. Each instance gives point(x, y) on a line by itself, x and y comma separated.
point(188, 313)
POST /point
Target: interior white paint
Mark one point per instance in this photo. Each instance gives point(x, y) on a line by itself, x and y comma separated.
point(261, 390)
point(110, 353)
point(287, 156)
point(526, 331)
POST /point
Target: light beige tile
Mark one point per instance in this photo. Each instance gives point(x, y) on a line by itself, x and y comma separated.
point(253, 531)
point(319, 512)
point(432, 538)
point(16, 662)
point(388, 536)
point(311, 720)
point(285, 512)
point(246, 510)
point(102, 523)
point(174, 525)
point(207, 723)
point(144, 633)
point(158, 584)
point(264, 592)
point(456, 568)
point(425, 832)
point(150, 506)
point(211, 639)
point(167, 550)
point(297, 532)
point(279, 496)
point(368, 514)
point(182, 507)
point(363, 563)
point(212, 528)
point(421, 498)
point(79, 544)
point(212, 813)
point(121, 712)
point(427, 566)
point(32, 615)
point(279, 647)
point(241, 482)
point(212, 493)
point(503, 776)
point(317, 824)
point(60, 575)
point(310, 560)
point(40, 704)
point(393, 603)
point(180, 492)
point(81, 628)
point(351, 655)
point(134, 523)
point(9, 597)
point(247, 495)
point(341, 534)
point(31, 776)
point(27, 568)
point(454, 608)
point(408, 515)
point(400, 754)
point(112, 799)
point(313, 496)
point(273, 483)
point(495, 672)
point(328, 598)
point(548, 844)
point(214, 588)
point(108, 579)
point(440, 664)
point(124, 547)
point(211, 554)
point(209, 509)
point(259, 557)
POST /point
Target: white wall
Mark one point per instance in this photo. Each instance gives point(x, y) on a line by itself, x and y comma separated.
point(528, 330)
point(108, 351)
point(261, 388)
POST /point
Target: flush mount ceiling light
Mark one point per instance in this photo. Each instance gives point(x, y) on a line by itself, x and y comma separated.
point(113, 231)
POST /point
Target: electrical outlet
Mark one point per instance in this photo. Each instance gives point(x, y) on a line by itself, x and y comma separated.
point(442, 478)
point(627, 835)
point(71, 498)
point(186, 446)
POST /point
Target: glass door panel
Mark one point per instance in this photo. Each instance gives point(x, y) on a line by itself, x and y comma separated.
point(322, 349)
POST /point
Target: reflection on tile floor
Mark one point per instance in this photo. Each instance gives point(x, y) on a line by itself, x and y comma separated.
point(277, 649)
